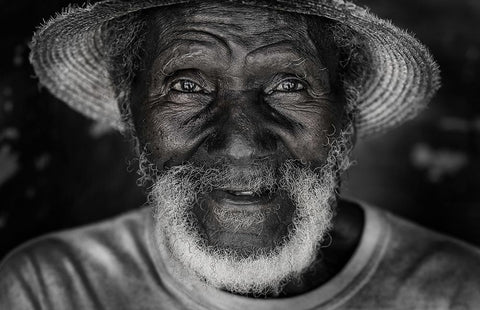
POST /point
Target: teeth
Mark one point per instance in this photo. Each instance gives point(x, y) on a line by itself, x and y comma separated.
point(242, 193)
point(248, 193)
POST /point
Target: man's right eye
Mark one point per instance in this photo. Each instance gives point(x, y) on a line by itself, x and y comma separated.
point(186, 86)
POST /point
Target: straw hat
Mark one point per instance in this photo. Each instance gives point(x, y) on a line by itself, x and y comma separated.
point(68, 59)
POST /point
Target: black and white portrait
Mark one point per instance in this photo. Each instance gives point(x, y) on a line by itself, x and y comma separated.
point(254, 154)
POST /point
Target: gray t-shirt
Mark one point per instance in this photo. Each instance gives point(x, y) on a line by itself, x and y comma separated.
point(114, 265)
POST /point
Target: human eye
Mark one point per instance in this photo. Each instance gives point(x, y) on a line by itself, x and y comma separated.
point(289, 85)
point(186, 86)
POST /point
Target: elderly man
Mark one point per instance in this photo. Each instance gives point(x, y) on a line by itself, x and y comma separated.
point(243, 115)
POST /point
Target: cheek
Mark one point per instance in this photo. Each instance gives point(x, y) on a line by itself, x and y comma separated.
point(152, 137)
point(313, 140)
point(311, 136)
point(167, 136)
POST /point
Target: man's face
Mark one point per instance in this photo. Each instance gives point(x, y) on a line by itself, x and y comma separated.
point(236, 93)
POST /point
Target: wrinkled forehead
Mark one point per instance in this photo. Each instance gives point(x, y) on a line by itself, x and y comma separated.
point(236, 25)
point(237, 20)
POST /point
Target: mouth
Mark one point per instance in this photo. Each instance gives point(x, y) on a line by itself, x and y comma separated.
point(241, 197)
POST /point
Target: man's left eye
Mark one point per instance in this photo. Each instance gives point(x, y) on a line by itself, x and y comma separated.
point(290, 85)
point(186, 86)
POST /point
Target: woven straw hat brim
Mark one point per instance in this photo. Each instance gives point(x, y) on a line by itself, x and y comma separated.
point(68, 57)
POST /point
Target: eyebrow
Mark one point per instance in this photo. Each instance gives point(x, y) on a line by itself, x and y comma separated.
point(202, 48)
point(284, 46)
point(285, 54)
point(281, 52)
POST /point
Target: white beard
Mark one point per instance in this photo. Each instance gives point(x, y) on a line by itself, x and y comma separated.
point(313, 193)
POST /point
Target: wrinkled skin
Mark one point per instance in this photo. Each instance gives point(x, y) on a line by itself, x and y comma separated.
point(240, 85)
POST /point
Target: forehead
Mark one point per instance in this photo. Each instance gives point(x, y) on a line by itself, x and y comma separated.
point(230, 28)
point(235, 20)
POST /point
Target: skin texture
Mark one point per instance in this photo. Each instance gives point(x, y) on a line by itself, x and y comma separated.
point(237, 85)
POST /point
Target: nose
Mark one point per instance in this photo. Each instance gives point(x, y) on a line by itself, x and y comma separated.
point(238, 148)
point(242, 135)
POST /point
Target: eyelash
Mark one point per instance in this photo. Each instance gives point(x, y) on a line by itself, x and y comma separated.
point(299, 84)
point(182, 81)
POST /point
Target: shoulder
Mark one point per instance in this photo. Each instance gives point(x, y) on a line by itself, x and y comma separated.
point(52, 261)
point(108, 234)
point(431, 265)
point(431, 247)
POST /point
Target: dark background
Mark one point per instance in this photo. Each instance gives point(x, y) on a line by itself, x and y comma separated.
point(60, 170)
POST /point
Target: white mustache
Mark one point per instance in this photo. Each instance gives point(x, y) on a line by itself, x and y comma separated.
point(256, 179)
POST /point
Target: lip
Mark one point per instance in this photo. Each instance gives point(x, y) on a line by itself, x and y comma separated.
point(223, 197)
